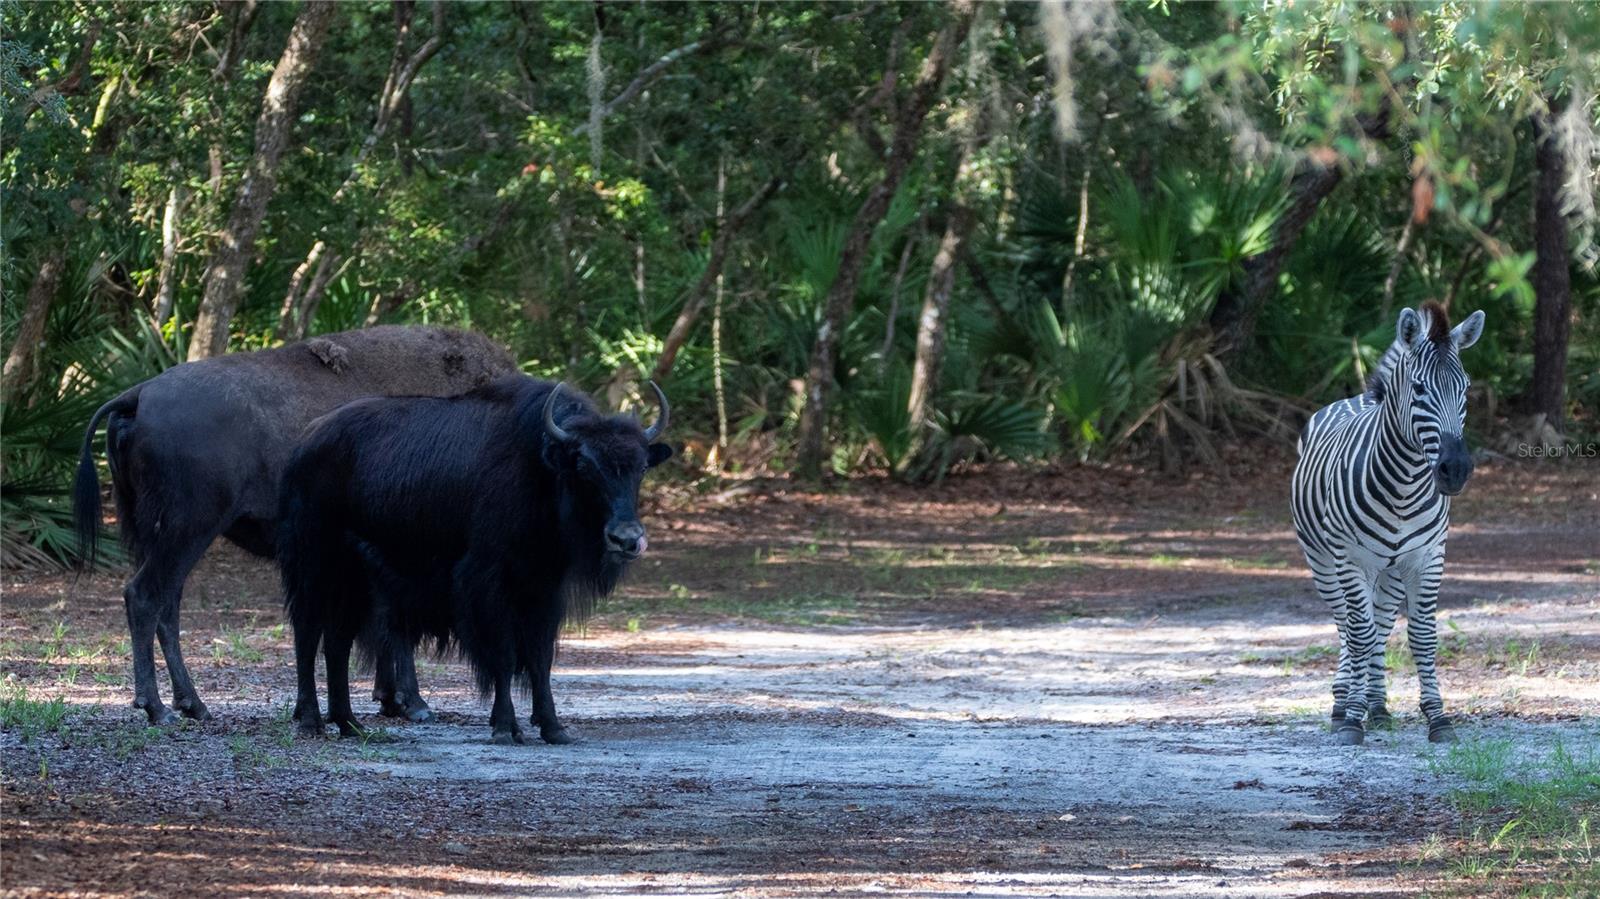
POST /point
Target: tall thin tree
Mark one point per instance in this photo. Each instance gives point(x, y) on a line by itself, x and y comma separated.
point(812, 438)
point(1551, 277)
point(230, 262)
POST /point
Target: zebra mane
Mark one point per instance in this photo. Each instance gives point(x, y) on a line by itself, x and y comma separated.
point(1438, 332)
point(1378, 381)
point(1438, 321)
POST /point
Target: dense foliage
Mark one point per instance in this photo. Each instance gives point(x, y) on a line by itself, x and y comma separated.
point(1148, 228)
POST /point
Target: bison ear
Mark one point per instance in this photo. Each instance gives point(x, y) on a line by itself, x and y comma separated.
point(657, 454)
point(556, 455)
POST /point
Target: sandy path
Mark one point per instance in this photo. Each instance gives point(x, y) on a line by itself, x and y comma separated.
point(1038, 707)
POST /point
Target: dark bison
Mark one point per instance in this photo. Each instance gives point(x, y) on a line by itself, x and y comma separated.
point(485, 520)
point(196, 452)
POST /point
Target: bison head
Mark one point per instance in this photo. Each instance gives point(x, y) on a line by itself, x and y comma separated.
point(606, 457)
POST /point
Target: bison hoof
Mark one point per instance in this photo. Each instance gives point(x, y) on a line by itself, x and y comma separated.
point(414, 710)
point(196, 709)
point(558, 736)
point(417, 711)
point(350, 727)
point(161, 716)
point(1378, 716)
point(1441, 730)
point(508, 737)
point(309, 724)
point(1350, 735)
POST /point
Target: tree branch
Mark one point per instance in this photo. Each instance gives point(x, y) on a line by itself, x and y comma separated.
point(70, 83)
point(697, 294)
point(652, 73)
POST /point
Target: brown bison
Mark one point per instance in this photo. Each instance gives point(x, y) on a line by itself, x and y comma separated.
point(197, 451)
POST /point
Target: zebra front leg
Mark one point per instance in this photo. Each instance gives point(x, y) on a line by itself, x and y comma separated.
point(1386, 606)
point(1361, 633)
point(1422, 632)
point(1324, 577)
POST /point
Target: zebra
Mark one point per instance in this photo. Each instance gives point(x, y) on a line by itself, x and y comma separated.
point(1371, 496)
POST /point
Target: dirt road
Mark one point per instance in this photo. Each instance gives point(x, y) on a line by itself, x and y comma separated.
point(1017, 685)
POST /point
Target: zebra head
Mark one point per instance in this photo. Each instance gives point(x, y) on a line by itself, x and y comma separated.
point(1426, 379)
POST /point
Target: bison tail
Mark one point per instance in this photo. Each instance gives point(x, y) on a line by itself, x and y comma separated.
point(299, 559)
point(86, 511)
point(309, 547)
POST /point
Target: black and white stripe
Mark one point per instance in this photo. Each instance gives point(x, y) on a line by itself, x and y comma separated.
point(1371, 510)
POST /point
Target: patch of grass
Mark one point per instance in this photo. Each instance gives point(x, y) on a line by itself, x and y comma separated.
point(235, 645)
point(1263, 562)
point(56, 642)
point(31, 718)
point(1528, 825)
point(1162, 560)
point(1397, 655)
point(1452, 644)
point(281, 729)
point(1286, 663)
point(1519, 655)
point(250, 756)
point(125, 741)
point(789, 587)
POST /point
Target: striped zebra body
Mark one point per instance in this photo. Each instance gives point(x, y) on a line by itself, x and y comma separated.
point(1371, 497)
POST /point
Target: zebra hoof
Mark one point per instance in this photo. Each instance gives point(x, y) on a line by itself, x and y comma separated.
point(1338, 712)
point(1378, 716)
point(1442, 731)
point(1350, 735)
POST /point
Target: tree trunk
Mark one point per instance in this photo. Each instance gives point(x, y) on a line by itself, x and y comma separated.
point(1233, 318)
point(22, 362)
point(702, 288)
point(931, 326)
point(167, 280)
point(242, 15)
point(294, 319)
point(812, 438)
point(392, 105)
point(385, 304)
point(231, 261)
point(1552, 281)
point(291, 300)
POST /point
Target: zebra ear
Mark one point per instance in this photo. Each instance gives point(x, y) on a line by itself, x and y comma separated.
point(1410, 328)
point(1467, 333)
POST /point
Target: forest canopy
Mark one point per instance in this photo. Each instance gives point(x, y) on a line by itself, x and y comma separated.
point(891, 237)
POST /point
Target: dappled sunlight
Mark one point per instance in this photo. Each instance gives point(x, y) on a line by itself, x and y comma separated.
point(1099, 705)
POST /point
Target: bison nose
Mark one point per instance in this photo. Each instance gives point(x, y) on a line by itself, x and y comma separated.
point(627, 539)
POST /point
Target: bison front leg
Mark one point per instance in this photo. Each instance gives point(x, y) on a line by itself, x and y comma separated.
point(395, 686)
point(503, 717)
point(551, 730)
point(336, 649)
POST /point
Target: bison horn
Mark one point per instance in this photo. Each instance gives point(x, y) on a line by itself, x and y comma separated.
point(660, 426)
point(550, 425)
